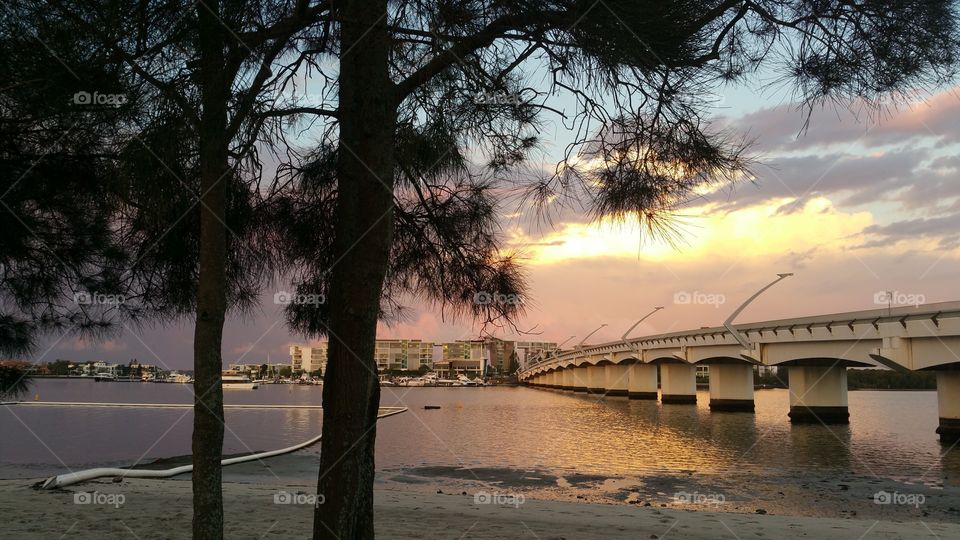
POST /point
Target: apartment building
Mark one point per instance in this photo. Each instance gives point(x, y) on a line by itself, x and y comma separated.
point(305, 359)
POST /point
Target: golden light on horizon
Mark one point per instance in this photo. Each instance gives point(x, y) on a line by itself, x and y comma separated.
point(757, 231)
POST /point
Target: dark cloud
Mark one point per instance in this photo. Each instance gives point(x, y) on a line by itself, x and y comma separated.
point(942, 228)
point(847, 179)
point(782, 128)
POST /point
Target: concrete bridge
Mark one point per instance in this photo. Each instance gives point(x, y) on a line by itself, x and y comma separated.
point(816, 351)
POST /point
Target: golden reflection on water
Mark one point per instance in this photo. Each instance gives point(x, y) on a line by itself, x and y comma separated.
point(891, 434)
point(557, 431)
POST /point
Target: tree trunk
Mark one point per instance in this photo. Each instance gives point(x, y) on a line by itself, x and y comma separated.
point(211, 284)
point(364, 231)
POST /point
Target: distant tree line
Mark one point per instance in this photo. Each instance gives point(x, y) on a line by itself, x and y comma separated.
point(776, 378)
point(882, 379)
point(861, 379)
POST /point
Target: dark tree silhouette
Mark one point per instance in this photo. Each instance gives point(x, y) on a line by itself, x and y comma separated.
point(14, 381)
point(428, 117)
point(183, 151)
point(56, 249)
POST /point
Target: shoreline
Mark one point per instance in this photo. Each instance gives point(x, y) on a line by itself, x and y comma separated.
point(161, 509)
point(787, 494)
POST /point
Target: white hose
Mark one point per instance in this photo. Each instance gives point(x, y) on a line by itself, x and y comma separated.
point(82, 476)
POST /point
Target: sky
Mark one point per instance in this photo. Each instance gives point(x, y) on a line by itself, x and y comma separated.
point(858, 204)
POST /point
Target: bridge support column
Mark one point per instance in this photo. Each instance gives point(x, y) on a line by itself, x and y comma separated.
point(581, 379)
point(731, 387)
point(678, 383)
point(555, 379)
point(617, 377)
point(642, 383)
point(596, 379)
point(818, 394)
point(566, 376)
point(948, 405)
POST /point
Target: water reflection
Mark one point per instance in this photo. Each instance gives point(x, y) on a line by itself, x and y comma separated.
point(891, 434)
point(824, 447)
point(950, 463)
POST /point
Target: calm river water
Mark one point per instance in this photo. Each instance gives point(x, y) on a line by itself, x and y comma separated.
point(538, 442)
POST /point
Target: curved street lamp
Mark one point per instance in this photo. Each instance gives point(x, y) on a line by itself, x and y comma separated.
point(623, 338)
point(580, 345)
point(561, 345)
point(728, 324)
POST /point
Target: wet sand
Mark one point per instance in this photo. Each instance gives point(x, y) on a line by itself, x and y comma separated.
point(154, 509)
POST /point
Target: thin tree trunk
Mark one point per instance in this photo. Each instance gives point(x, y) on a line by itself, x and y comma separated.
point(364, 231)
point(211, 285)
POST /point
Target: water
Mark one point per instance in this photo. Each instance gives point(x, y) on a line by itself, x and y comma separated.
point(544, 443)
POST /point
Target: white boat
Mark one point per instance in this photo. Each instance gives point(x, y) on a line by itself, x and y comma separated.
point(466, 381)
point(181, 378)
point(238, 382)
point(104, 377)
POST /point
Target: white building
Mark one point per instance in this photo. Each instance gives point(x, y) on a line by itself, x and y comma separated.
point(100, 367)
point(403, 354)
point(309, 359)
point(396, 354)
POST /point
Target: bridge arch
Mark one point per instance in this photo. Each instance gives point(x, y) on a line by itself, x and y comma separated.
point(725, 360)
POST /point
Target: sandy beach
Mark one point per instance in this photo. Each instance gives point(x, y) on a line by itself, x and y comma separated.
point(148, 509)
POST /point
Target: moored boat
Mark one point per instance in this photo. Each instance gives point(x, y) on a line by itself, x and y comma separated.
point(234, 381)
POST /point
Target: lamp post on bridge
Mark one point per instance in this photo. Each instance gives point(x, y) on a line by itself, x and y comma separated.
point(580, 345)
point(623, 338)
point(562, 344)
point(728, 324)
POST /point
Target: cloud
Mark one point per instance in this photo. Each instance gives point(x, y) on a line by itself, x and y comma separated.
point(942, 230)
point(780, 128)
point(81, 344)
point(851, 179)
